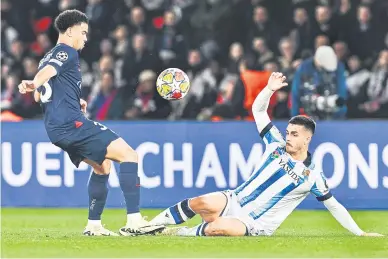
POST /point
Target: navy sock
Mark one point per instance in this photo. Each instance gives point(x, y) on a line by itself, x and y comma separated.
point(98, 192)
point(130, 186)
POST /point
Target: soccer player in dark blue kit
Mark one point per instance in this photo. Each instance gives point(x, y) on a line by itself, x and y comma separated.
point(57, 87)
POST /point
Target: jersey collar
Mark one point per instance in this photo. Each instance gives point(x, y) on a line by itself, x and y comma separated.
point(307, 161)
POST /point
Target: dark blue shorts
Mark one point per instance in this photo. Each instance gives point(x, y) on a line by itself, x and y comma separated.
point(90, 140)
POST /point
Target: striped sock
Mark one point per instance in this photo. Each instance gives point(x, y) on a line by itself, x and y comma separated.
point(177, 214)
point(181, 212)
point(198, 230)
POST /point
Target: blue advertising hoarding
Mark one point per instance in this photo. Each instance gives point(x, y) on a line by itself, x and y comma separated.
point(185, 159)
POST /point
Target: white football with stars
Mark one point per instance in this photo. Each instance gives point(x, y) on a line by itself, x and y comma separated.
point(173, 84)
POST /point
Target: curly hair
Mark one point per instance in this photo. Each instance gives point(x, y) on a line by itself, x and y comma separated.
point(68, 19)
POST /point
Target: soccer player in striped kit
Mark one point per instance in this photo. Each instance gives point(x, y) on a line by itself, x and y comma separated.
point(284, 179)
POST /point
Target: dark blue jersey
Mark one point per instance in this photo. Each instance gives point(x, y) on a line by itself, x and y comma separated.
point(60, 96)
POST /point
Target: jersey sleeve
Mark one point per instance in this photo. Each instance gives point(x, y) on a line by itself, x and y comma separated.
point(270, 134)
point(63, 58)
point(320, 188)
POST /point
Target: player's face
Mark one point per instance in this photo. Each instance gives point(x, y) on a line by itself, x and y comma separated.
point(79, 35)
point(297, 138)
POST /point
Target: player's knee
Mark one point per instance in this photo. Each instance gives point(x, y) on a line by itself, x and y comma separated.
point(199, 204)
point(121, 152)
point(212, 203)
point(129, 155)
point(104, 168)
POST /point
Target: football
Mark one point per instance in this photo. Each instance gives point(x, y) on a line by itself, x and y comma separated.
point(173, 84)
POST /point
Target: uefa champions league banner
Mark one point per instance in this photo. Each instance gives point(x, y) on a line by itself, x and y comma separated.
point(185, 159)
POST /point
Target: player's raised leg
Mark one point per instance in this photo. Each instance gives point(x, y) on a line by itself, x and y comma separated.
point(209, 207)
point(98, 193)
point(118, 150)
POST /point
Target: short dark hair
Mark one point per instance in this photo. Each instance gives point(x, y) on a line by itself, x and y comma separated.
point(68, 19)
point(305, 121)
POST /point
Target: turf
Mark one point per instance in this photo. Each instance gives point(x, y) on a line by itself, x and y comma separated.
point(57, 233)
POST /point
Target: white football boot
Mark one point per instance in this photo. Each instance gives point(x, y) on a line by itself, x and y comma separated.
point(138, 225)
point(97, 230)
point(172, 231)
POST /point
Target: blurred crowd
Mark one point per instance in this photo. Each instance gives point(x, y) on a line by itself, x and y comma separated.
point(228, 48)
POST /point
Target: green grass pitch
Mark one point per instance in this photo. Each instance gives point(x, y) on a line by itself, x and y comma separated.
point(57, 233)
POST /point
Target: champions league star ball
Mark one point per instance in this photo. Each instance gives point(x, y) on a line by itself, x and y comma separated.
point(173, 84)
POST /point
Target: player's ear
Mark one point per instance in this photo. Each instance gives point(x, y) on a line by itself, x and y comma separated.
point(308, 139)
point(69, 32)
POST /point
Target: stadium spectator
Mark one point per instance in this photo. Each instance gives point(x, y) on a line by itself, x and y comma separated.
point(288, 61)
point(146, 103)
point(236, 51)
point(325, 23)
point(20, 105)
point(321, 40)
point(107, 104)
point(341, 50)
point(137, 59)
point(364, 29)
point(194, 63)
point(137, 22)
point(317, 85)
point(372, 100)
point(357, 76)
point(264, 27)
point(261, 51)
point(301, 34)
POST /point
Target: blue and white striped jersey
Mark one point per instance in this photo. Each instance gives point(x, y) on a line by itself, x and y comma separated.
point(279, 184)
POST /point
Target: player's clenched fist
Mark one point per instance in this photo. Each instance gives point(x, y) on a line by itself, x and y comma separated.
point(26, 86)
point(84, 105)
point(276, 81)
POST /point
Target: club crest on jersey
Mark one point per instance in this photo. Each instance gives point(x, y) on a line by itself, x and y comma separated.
point(62, 56)
point(275, 154)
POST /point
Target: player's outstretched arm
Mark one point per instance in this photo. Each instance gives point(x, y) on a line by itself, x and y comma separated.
point(261, 103)
point(340, 213)
point(267, 131)
point(40, 78)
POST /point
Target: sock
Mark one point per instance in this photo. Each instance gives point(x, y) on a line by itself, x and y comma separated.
point(177, 214)
point(198, 230)
point(134, 217)
point(96, 222)
point(130, 186)
point(98, 193)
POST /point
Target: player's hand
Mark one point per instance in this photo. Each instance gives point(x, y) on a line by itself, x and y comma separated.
point(83, 104)
point(26, 86)
point(276, 81)
point(365, 234)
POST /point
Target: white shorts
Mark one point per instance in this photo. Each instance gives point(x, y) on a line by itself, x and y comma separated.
point(234, 210)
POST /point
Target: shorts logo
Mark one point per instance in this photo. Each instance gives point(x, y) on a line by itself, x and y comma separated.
point(62, 56)
point(78, 124)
